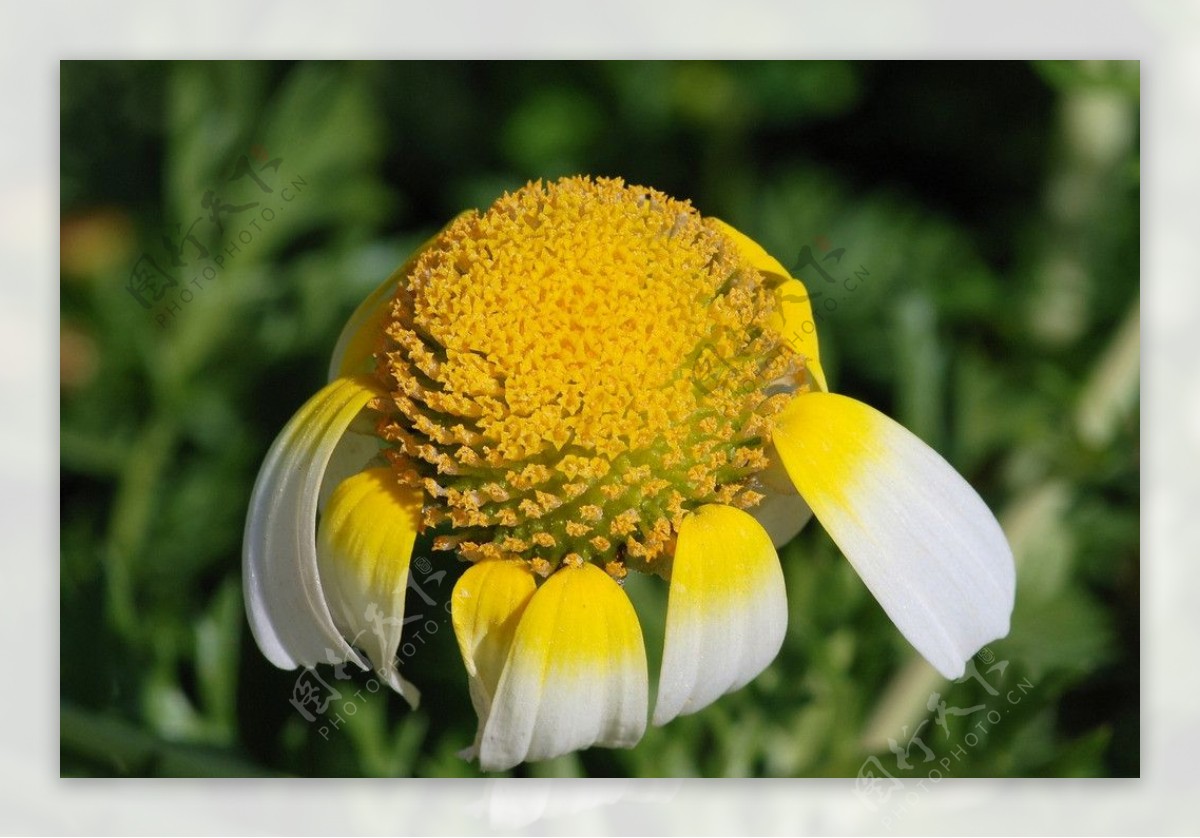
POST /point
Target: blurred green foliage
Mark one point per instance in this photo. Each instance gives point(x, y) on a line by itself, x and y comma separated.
point(987, 211)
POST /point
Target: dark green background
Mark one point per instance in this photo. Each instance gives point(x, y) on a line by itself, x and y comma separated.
point(991, 210)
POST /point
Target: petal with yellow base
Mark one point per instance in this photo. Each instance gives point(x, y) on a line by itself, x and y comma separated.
point(364, 545)
point(727, 611)
point(486, 607)
point(285, 600)
point(575, 674)
point(920, 537)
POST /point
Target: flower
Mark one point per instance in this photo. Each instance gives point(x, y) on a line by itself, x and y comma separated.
point(585, 380)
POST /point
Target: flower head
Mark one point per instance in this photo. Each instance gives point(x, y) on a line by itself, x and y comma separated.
point(590, 379)
point(540, 369)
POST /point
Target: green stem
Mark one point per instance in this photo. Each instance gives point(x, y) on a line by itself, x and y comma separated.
point(130, 522)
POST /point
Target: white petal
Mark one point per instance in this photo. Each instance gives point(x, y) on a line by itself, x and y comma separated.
point(920, 537)
point(285, 601)
point(727, 612)
point(575, 675)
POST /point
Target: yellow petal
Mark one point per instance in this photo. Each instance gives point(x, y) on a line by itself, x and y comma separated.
point(487, 605)
point(356, 345)
point(364, 545)
point(575, 674)
point(285, 601)
point(917, 533)
point(727, 612)
point(793, 318)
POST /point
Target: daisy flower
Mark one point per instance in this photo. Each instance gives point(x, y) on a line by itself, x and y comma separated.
point(586, 380)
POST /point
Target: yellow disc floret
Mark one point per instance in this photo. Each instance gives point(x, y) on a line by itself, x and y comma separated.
point(574, 370)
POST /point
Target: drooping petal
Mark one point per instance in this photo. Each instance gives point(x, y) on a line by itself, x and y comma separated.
point(793, 318)
point(285, 601)
point(364, 545)
point(487, 605)
point(782, 515)
point(356, 450)
point(726, 614)
point(575, 674)
point(920, 537)
point(356, 344)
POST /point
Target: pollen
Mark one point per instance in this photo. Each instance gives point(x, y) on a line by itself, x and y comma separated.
point(574, 370)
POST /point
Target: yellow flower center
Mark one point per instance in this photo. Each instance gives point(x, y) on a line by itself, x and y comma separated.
point(574, 370)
